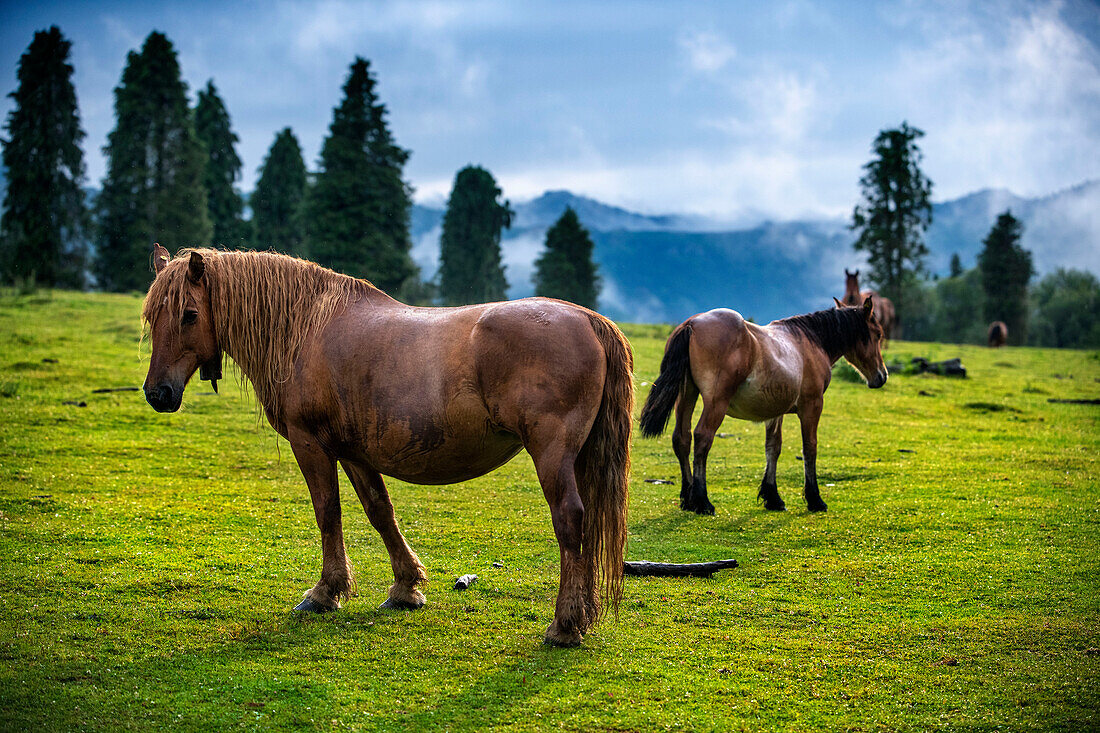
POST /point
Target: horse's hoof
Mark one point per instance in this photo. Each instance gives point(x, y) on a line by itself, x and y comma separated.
point(555, 637)
point(706, 510)
point(775, 506)
point(819, 507)
point(393, 604)
point(309, 606)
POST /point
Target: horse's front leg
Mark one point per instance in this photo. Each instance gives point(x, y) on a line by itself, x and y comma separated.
point(773, 444)
point(809, 414)
point(408, 572)
point(319, 470)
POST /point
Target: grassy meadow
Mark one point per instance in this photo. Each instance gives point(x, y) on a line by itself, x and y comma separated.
point(149, 563)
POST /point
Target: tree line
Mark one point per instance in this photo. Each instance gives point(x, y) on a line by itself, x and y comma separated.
point(895, 210)
point(171, 177)
point(172, 171)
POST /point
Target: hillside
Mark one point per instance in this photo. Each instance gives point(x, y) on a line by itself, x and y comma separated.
point(665, 268)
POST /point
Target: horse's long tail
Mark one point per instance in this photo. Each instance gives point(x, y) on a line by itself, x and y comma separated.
point(603, 467)
point(675, 368)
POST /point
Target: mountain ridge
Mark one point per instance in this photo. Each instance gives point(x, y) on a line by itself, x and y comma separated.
point(664, 268)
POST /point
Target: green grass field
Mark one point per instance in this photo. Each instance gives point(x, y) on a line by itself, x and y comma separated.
point(149, 564)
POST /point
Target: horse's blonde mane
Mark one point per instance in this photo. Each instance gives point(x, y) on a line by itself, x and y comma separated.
point(264, 305)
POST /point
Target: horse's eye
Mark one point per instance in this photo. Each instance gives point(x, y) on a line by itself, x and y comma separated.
point(190, 317)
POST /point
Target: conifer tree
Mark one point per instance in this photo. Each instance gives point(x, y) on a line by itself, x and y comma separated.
point(894, 213)
point(1006, 270)
point(224, 203)
point(42, 229)
point(153, 190)
point(565, 269)
point(277, 200)
point(470, 268)
point(357, 211)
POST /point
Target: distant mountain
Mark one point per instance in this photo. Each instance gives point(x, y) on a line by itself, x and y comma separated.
point(665, 268)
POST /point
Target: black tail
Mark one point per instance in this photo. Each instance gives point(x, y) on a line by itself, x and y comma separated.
point(663, 393)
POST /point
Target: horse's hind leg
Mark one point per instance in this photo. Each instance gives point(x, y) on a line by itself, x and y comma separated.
point(319, 470)
point(408, 572)
point(681, 439)
point(773, 444)
point(711, 419)
point(576, 605)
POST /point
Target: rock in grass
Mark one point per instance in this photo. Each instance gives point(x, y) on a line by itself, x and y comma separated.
point(465, 582)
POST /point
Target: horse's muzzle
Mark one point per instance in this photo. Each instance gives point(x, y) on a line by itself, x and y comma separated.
point(164, 397)
point(879, 379)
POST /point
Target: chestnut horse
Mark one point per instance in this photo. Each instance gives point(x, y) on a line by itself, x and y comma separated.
point(997, 335)
point(353, 378)
point(757, 373)
point(884, 307)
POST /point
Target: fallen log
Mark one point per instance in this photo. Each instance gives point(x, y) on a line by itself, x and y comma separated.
point(677, 570)
point(1073, 402)
point(103, 390)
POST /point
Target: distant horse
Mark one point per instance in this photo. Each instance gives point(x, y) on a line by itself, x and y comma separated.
point(757, 373)
point(884, 307)
point(998, 334)
point(351, 377)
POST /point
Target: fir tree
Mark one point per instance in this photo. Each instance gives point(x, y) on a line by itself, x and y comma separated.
point(470, 269)
point(1006, 270)
point(153, 191)
point(223, 168)
point(956, 268)
point(42, 230)
point(357, 211)
point(565, 269)
point(894, 213)
point(277, 200)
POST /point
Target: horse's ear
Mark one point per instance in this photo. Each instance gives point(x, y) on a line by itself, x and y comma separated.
point(838, 303)
point(855, 274)
point(846, 273)
point(195, 268)
point(868, 307)
point(160, 258)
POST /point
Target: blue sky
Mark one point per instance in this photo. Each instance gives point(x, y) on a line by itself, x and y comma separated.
point(738, 110)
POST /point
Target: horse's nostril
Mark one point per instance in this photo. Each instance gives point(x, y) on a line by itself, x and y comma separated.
point(164, 394)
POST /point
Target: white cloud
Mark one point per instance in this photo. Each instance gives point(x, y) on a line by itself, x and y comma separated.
point(706, 51)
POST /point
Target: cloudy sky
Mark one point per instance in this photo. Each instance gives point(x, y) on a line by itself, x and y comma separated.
point(733, 109)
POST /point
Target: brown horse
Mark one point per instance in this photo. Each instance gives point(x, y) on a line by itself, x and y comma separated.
point(884, 307)
point(998, 334)
point(757, 373)
point(351, 377)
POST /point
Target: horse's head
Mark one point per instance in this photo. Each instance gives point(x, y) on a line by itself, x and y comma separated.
point(851, 287)
point(181, 329)
point(865, 354)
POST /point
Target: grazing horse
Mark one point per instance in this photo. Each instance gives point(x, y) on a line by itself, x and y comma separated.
point(355, 379)
point(757, 373)
point(884, 307)
point(998, 334)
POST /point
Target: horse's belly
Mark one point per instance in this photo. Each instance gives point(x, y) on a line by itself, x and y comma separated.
point(756, 402)
point(450, 460)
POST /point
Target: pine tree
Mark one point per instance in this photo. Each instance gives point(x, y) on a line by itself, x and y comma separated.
point(470, 269)
point(1006, 270)
point(357, 211)
point(277, 200)
point(956, 268)
point(42, 230)
point(565, 269)
point(223, 168)
point(153, 191)
point(894, 213)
